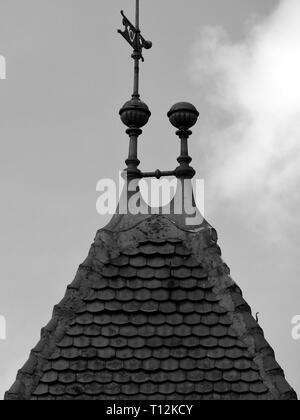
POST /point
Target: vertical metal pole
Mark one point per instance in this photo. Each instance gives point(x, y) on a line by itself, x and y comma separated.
point(136, 54)
point(137, 15)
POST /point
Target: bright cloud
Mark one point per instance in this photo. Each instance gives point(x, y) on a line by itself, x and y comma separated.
point(252, 90)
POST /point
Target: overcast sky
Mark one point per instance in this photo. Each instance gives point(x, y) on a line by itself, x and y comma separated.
point(69, 72)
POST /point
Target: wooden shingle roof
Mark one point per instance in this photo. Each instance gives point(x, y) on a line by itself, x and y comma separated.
point(152, 314)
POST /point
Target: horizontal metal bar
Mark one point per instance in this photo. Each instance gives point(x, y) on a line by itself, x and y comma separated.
point(157, 174)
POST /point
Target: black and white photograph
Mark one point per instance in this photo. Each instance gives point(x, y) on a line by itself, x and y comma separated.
point(150, 195)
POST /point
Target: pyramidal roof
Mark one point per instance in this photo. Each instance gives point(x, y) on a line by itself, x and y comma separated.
point(152, 314)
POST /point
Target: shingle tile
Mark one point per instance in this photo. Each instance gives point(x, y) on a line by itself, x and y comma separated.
point(195, 375)
point(128, 272)
point(182, 330)
point(151, 364)
point(95, 307)
point(110, 271)
point(124, 353)
point(56, 389)
point(179, 295)
point(167, 388)
point(185, 388)
point(75, 330)
point(82, 342)
point(222, 387)
point(114, 365)
point(250, 376)
point(224, 364)
point(107, 294)
point(60, 365)
point(159, 376)
point(232, 376)
point(117, 283)
point(167, 307)
point(182, 273)
point(234, 353)
point(138, 319)
point(95, 365)
point(149, 388)
point(182, 251)
point(138, 261)
point(112, 389)
point(85, 377)
point(143, 353)
point(204, 387)
point(154, 342)
point(201, 331)
point(196, 295)
point(199, 273)
point(146, 273)
point(130, 389)
point(122, 377)
point(66, 342)
point(258, 388)
point(49, 377)
point(142, 295)
point(174, 319)
point(161, 353)
point(240, 387)
point(146, 331)
point(165, 330)
point(156, 262)
point(42, 389)
point(179, 353)
point(213, 375)
point(70, 353)
point(106, 353)
point(78, 365)
point(136, 342)
point(99, 342)
point(150, 306)
point(140, 377)
point(103, 319)
point(92, 330)
point(121, 261)
point(160, 295)
point(162, 273)
point(170, 365)
point(128, 331)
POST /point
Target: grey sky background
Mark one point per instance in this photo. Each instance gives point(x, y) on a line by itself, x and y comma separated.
point(69, 72)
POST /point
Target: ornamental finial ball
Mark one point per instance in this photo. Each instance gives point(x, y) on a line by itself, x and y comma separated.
point(183, 115)
point(135, 113)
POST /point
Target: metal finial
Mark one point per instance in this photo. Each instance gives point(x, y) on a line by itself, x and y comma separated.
point(184, 116)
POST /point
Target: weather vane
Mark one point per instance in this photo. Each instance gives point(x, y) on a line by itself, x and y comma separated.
point(133, 36)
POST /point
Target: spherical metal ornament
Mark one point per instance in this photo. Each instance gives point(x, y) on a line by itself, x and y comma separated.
point(135, 114)
point(183, 115)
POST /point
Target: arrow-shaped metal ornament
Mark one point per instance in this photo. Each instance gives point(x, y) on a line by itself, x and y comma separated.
point(133, 36)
